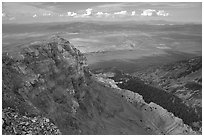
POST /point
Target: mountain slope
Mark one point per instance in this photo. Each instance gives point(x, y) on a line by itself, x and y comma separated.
point(51, 79)
point(182, 79)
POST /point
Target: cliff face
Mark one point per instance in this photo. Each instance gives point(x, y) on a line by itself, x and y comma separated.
point(44, 79)
point(50, 79)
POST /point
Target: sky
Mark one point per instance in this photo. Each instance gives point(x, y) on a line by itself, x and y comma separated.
point(36, 12)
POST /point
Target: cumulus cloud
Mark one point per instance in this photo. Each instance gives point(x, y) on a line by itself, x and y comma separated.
point(71, 14)
point(133, 13)
point(3, 14)
point(87, 14)
point(88, 11)
point(102, 14)
point(34, 16)
point(46, 14)
point(99, 13)
point(148, 12)
point(124, 12)
point(162, 13)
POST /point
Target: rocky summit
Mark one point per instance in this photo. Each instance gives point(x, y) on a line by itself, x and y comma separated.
point(47, 88)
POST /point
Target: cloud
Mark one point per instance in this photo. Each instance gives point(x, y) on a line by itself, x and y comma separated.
point(133, 13)
point(148, 12)
point(162, 13)
point(35, 15)
point(151, 12)
point(71, 14)
point(124, 12)
point(88, 11)
point(3, 14)
point(100, 14)
point(46, 14)
point(87, 14)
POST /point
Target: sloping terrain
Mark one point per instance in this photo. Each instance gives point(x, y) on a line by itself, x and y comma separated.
point(182, 79)
point(175, 86)
point(50, 79)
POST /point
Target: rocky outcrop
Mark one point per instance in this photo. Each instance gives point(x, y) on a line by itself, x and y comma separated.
point(14, 123)
point(156, 118)
point(43, 78)
point(49, 80)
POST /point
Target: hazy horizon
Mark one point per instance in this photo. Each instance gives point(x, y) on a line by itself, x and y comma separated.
point(47, 12)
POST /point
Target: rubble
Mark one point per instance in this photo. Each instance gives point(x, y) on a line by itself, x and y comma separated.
point(17, 124)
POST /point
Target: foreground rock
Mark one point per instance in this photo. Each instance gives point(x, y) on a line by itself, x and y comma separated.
point(49, 81)
point(16, 124)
